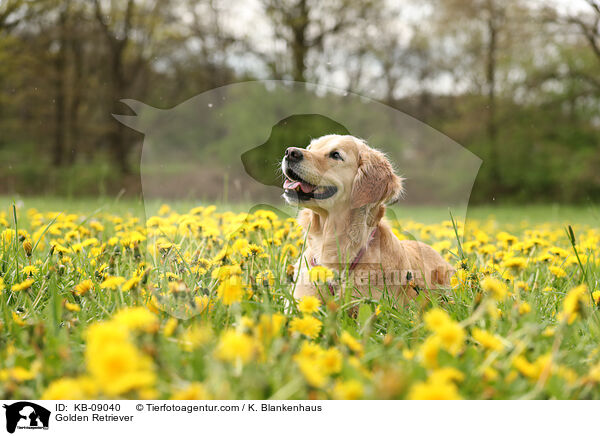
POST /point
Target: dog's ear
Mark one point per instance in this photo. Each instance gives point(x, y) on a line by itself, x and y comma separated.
point(375, 181)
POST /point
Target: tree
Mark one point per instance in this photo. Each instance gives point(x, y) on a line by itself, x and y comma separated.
point(303, 27)
point(483, 34)
point(589, 25)
point(129, 29)
point(11, 12)
point(585, 23)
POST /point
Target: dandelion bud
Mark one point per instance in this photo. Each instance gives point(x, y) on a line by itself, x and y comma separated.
point(289, 272)
point(28, 247)
point(387, 340)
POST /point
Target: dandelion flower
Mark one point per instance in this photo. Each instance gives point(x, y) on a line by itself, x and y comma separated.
point(448, 374)
point(112, 282)
point(452, 337)
point(353, 344)
point(137, 318)
point(24, 285)
point(235, 347)
point(83, 287)
point(494, 287)
point(72, 307)
point(195, 391)
point(30, 270)
point(309, 304)
point(265, 278)
point(488, 340)
point(434, 390)
point(230, 290)
point(524, 308)
point(574, 303)
point(170, 327)
point(194, 337)
point(557, 271)
point(18, 374)
point(429, 351)
point(18, 320)
point(516, 263)
point(118, 367)
point(269, 326)
point(331, 360)
point(436, 318)
point(348, 390)
point(82, 388)
point(307, 325)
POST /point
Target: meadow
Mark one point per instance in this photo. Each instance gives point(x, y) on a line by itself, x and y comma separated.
point(194, 302)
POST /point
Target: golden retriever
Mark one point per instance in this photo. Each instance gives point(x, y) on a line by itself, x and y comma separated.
point(343, 186)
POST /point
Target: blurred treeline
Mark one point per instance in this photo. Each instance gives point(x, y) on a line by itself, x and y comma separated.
point(515, 81)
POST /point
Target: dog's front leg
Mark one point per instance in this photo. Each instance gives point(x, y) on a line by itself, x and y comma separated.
point(302, 284)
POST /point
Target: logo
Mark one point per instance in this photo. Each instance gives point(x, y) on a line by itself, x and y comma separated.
point(26, 415)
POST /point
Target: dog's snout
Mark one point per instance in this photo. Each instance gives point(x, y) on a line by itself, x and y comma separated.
point(294, 154)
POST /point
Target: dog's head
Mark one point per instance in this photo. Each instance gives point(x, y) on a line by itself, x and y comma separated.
point(338, 172)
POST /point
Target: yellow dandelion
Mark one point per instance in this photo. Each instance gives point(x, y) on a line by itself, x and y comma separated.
point(309, 304)
point(73, 307)
point(524, 308)
point(574, 303)
point(23, 286)
point(235, 347)
point(557, 271)
point(170, 327)
point(112, 282)
point(83, 287)
point(348, 390)
point(195, 391)
point(494, 287)
point(452, 337)
point(307, 325)
point(82, 388)
point(434, 390)
point(436, 318)
point(230, 290)
point(352, 343)
point(488, 340)
point(137, 318)
point(265, 278)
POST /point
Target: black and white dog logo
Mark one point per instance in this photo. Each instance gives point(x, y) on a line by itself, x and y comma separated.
point(26, 415)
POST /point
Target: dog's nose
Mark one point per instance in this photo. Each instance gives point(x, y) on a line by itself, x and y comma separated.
point(294, 154)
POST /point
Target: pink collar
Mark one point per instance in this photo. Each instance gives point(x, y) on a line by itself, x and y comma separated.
point(359, 255)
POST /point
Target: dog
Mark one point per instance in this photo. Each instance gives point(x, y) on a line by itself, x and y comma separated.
point(343, 186)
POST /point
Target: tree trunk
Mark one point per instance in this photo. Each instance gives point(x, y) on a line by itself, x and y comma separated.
point(119, 148)
point(75, 128)
point(59, 99)
point(118, 144)
point(492, 131)
point(299, 47)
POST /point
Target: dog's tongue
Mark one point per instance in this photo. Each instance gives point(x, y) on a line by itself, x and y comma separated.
point(306, 187)
point(291, 184)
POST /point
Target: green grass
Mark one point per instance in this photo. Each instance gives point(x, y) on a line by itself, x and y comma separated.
point(184, 340)
point(553, 213)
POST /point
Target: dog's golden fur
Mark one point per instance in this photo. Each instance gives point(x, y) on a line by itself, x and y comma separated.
point(340, 226)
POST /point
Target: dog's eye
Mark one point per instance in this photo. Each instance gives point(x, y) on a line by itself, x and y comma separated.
point(335, 155)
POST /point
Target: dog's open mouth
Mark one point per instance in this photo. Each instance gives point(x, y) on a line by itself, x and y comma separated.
point(295, 185)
